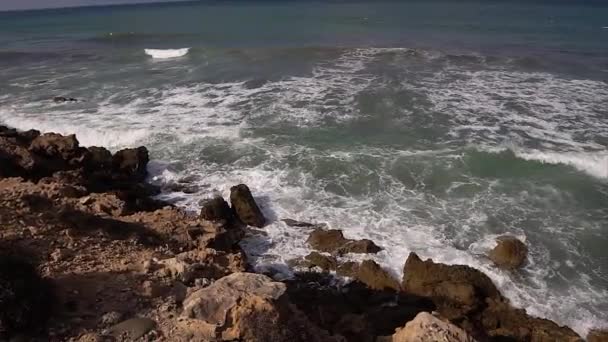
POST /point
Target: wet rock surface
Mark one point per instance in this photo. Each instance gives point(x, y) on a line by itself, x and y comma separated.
point(509, 253)
point(245, 207)
point(333, 241)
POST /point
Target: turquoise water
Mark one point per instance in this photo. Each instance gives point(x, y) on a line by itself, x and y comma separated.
point(427, 126)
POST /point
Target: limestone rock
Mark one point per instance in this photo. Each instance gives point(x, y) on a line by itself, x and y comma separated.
point(131, 162)
point(249, 307)
point(132, 329)
point(509, 252)
point(455, 289)
point(324, 262)
point(426, 327)
point(375, 277)
point(217, 209)
point(245, 206)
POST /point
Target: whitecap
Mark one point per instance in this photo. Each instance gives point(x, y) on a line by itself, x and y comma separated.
point(167, 53)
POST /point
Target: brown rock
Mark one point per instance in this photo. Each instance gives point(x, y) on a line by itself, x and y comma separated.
point(375, 277)
point(56, 145)
point(249, 307)
point(217, 209)
point(333, 241)
point(597, 336)
point(324, 262)
point(99, 159)
point(131, 162)
point(348, 269)
point(426, 327)
point(245, 207)
point(132, 329)
point(455, 289)
point(509, 252)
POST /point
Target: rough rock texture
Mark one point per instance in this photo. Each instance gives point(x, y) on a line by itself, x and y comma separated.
point(597, 336)
point(465, 294)
point(333, 241)
point(217, 209)
point(426, 327)
point(132, 162)
point(245, 207)
point(375, 277)
point(457, 289)
point(248, 307)
point(509, 252)
point(324, 262)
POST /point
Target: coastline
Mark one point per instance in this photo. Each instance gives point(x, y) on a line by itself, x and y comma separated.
point(108, 252)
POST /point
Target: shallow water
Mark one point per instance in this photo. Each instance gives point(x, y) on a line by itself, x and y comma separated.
point(426, 126)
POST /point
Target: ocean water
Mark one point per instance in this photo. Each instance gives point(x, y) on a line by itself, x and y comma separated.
point(428, 126)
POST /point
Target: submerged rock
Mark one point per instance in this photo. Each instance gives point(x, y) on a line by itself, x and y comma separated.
point(245, 207)
point(60, 99)
point(426, 327)
point(509, 252)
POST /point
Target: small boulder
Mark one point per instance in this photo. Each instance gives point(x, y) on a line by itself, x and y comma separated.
point(300, 224)
point(509, 253)
point(333, 241)
point(324, 262)
point(132, 162)
point(53, 145)
point(245, 206)
point(99, 159)
point(217, 209)
point(375, 277)
point(426, 327)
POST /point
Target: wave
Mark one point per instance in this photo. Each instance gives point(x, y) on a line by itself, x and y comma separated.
point(167, 53)
point(592, 163)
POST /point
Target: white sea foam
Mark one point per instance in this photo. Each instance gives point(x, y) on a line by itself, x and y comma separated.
point(593, 163)
point(167, 53)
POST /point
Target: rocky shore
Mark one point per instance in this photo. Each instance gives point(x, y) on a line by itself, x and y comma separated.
point(88, 254)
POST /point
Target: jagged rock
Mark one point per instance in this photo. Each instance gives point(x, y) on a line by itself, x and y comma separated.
point(217, 209)
point(205, 263)
point(597, 336)
point(249, 307)
point(348, 269)
point(455, 289)
point(509, 252)
point(131, 329)
point(333, 241)
point(25, 298)
point(501, 321)
point(61, 99)
point(53, 145)
point(426, 327)
point(375, 277)
point(100, 159)
point(131, 162)
point(325, 262)
point(111, 317)
point(245, 207)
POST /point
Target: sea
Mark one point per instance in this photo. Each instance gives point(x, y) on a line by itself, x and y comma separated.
point(428, 126)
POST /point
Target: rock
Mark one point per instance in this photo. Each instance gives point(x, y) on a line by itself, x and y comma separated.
point(131, 162)
point(99, 159)
point(426, 327)
point(375, 277)
point(333, 241)
point(504, 323)
point(294, 223)
point(359, 246)
point(111, 317)
point(348, 269)
point(60, 254)
point(151, 289)
point(324, 262)
point(131, 329)
point(597, 336)
point(456, 289)
point(245, 207)
point(53, 145)
point(217, 209)
point(249, 307)
point(509, 252)
point(90, 337)
point(25, 298)
point(61, 99)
